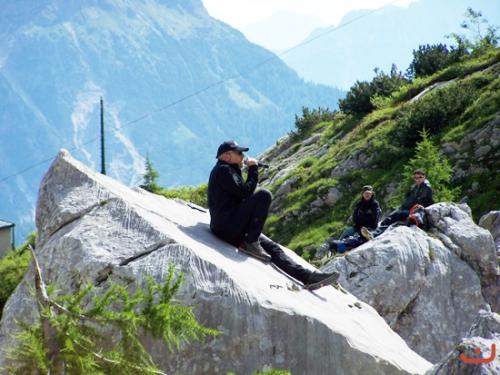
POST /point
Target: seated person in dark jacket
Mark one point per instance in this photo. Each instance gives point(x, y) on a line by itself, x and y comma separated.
point(238, 214)
point(420, 193)
point(366, 213)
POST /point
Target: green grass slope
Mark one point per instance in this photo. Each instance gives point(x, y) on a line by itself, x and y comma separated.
point(322, 168)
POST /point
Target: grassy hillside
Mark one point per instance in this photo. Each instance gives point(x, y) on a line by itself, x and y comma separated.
point(317, 172)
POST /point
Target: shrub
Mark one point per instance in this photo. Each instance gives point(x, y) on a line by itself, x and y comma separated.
point(359, 99)
point(429, 59)
point(310, 118)
point(484, 35)
point(438, 171)
point(193, 194)
point(13, 266)
point(435, 111)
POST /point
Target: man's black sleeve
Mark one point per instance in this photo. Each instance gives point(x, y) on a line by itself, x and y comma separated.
point(428, 197)
point(233, 183)
point(355, 214)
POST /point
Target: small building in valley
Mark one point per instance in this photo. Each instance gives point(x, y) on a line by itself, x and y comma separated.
point(6, 237)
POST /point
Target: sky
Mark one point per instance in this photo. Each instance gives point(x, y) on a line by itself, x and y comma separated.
point(296, 19)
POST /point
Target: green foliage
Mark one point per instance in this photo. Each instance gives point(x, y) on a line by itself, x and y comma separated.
point(357, 99)
point(438, 170)
point(102, 337)
point(435, 111)
point(193, 194)
point(484, 36)
point(150, 182)
point(429, 59)
point(273, 372)
point(13, 266)
point(461, 69)
point(361, 97)
point(310, 118)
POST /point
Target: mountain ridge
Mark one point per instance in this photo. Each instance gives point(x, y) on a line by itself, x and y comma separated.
point(352, 52)
point(175, 84)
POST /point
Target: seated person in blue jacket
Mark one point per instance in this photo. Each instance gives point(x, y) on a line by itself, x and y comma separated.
point(238, 214)
point(366, 213)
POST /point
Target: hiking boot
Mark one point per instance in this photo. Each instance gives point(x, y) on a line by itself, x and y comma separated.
point(365, 232)
point(255, 250)
point(318, 279)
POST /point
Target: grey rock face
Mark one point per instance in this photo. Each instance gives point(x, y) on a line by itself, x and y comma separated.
point(333, 196)
point(93, 229)
point(355, 161)
point(455, 228)
point(478, 145)
point(425, 292)
point(491, 222)
point(484, 333)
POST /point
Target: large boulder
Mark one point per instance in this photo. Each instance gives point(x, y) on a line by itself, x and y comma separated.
point(427, 287)
point(484, 335)
point(491, 222)
point(454, 226)
point(93, 229)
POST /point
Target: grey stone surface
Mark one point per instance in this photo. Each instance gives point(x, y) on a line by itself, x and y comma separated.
point(453, 224)
point(484, 333)
point(491, 222)
point(356, 160)
point(333, 196)
point(424, 291)
point(93, 229)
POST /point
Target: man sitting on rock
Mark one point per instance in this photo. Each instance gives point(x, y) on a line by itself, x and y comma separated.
point(419, 194)
point(238, 214)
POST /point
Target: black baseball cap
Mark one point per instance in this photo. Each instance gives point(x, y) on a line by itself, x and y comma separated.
point(230, 146)
point(367, 188)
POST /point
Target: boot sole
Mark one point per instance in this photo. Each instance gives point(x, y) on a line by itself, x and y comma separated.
point(367, 235)
point(253, 255)
point(329, 280)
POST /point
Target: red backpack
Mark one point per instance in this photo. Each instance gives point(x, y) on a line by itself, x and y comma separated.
point(417, 215)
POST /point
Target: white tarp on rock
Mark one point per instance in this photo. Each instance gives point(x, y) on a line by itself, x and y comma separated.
point(93, 229)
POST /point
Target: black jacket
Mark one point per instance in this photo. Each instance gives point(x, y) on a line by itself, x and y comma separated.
point(418, 195)
point(227, 189)
point(366, 214)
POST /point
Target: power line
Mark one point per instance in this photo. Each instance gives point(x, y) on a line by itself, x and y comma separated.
point(329, 30)
point(44, 161)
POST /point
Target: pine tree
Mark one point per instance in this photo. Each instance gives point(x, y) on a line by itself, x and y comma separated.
point(102, 337)
point(150, 178)
point(436, 166)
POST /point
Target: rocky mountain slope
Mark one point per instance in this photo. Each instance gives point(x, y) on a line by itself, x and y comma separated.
point(316, 174)
point(58, 57)
point(93, 229)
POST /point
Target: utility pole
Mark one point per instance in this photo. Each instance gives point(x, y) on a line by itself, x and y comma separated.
point(103, 158)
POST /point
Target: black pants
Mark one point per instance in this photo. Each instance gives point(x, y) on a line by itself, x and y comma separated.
point(282, 260)
point(245, 222)
point(396, 215)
